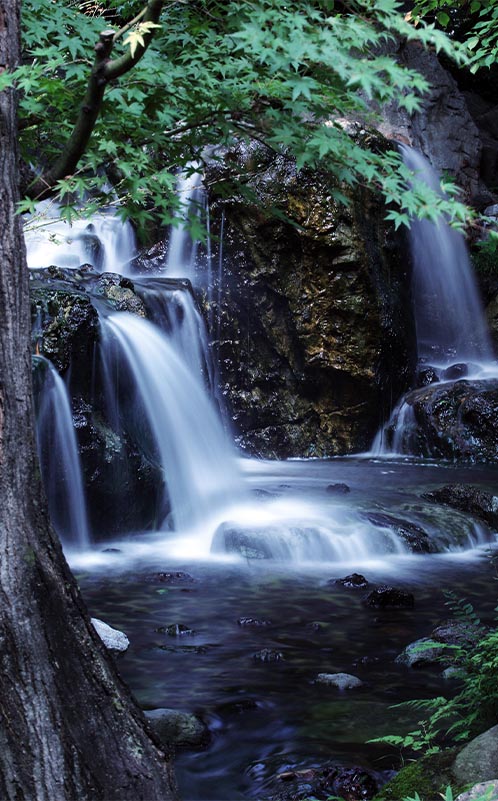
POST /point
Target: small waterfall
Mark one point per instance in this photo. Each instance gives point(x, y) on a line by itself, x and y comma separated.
point(173, 309)
point(105, 241)
point(198, 463)
point(451, 328)
point(449, 316)
point(182, 249)
point(59, 457)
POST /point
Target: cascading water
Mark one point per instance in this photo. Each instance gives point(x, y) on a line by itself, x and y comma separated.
point(105, 241)
point(449, 317)
point(59, 457)
point(182, 249)
point(198, 464)
point(451, 329)
point(173, 309)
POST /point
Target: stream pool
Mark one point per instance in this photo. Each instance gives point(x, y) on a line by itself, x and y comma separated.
point(266, 717)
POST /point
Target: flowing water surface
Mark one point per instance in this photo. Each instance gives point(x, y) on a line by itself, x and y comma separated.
point(266, 717)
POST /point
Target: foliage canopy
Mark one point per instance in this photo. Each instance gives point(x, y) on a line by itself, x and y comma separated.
point(289, 75)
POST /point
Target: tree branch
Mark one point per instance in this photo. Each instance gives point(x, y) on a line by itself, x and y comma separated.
point(103, 71)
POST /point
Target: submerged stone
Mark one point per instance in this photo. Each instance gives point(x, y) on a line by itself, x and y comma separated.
point(410, 533)
point(343, 681)
point(253, 622)
point(353, 581)
point(338, 489)
point(268, 655)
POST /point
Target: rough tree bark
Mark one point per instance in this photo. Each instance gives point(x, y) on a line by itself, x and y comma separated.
point(69, 729)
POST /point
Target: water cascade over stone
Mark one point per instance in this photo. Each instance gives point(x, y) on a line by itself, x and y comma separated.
point(452, 334)
point(59, 457)
point(105, 242)
point(449, 317)
point(197, 460)
point(182, 249)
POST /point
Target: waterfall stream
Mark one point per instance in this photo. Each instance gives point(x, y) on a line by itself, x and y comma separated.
point(451, 329)
point(59, 457)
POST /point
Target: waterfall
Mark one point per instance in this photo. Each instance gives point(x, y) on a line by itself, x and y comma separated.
point(105, 241)
point(59, 457)
point(449, 317)
point(196, 457)
point(182, 249)
point(451, 329)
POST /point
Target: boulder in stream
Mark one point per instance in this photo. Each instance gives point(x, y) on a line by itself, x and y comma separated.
point(343, 681)
point(470, 499)
point(178, 728)
point(385, 597)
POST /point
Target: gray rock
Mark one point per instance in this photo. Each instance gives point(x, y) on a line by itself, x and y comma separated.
point(491, 211)
point(421, 653)
point(113, 639)
point(478, 760)
point(484, 791)
point(343, 681)
point(174, 727)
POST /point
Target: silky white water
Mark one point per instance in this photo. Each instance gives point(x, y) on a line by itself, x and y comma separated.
point(197, 459)
point(104, 241)
point(59, 459)
point(449, 316)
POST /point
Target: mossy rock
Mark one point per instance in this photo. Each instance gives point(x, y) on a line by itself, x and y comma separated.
point(428, 776)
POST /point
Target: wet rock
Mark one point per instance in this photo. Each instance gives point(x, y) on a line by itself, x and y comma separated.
point(270, 542)
point(353, 784)
point(338, 489)
point(113, 639)
point(178, 576)
point(64, 326)
point(176, 630)
point(354, 581)
point(385, 597)
point(422, 653)
point(470, 499)
point(181, 729)
point(120, 293)
point(426, 376)
point(253, 622)
point(247, 543)
point(454, 420)
point(268, 655)
point(413, 535)
point(483, 791)
point(366, 661)
point(112, 550)
point(326, 781)
point(343, 681)
point(306, 364)
point(456, 371)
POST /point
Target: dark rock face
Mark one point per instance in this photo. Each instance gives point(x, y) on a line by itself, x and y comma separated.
point(384, 597)
point(456, 420)
point(467, 498)
point(315, 323)
point(181, 729)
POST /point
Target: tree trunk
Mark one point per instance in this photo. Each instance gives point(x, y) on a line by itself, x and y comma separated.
point(69, 729)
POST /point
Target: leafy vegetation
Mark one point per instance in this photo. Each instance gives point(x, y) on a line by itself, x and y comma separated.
point(453, 720)
point(289, 76)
